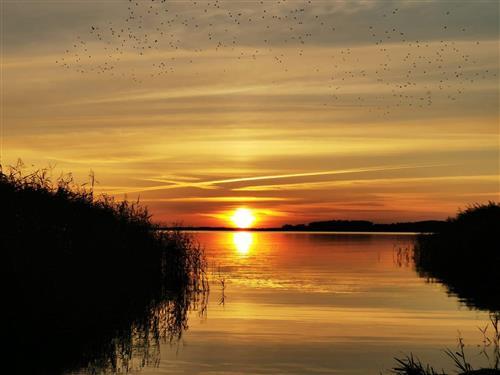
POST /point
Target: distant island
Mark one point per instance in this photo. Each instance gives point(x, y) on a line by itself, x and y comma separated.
point(427, 226)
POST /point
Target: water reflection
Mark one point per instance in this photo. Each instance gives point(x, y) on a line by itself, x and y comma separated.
point(80, 324)
point(243, 242)
point(308, 303)
point(318, 303)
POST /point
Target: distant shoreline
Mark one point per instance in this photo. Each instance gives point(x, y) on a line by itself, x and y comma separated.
point(332, 226)
point(281, 230)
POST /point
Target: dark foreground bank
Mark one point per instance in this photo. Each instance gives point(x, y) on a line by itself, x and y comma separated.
point(90, 283)
point(464, 255)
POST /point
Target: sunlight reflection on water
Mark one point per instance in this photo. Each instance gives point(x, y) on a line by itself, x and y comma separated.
point(317, 302)
point(243, 242)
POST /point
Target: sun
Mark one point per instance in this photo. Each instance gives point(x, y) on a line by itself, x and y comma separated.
point(243, 218)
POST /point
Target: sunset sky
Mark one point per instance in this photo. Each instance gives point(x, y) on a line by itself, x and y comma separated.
point(301, 111)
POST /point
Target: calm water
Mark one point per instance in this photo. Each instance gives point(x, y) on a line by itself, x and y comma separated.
point(316, 303)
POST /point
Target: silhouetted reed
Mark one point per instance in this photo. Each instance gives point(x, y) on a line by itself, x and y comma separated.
point(91, 283)
point(489, 350)
point(465, 256)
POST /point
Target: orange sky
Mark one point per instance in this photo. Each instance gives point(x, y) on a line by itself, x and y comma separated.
point(294, 109)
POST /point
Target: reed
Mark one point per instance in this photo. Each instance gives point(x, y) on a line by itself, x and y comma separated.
point(489, 349)
point(92, 282)
point(465, 256)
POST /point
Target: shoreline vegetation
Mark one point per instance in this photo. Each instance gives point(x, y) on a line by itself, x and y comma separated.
point(488, 349)
point(464, 255)
point(92, 284)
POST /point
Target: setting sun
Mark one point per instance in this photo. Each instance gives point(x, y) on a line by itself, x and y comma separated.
point(243, 218)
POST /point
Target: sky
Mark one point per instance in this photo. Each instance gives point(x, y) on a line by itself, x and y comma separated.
point(299, 110)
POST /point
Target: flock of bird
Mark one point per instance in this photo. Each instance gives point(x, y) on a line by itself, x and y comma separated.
point(412, 72)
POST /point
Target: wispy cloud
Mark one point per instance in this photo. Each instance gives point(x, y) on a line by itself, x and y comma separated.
point(219, 199)
point(212, 184)
point(317, 185)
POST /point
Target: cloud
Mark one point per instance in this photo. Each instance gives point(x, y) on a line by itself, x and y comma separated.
point(57, 22)
point(373, 182)
point(235, 199)
point(303, 100)
point(213, 183)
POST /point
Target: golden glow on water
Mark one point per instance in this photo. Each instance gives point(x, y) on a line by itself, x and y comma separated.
point(243, 242)
point(318, 303)
point(243, 218)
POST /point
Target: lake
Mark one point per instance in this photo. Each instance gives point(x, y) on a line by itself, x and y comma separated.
point(305, 303)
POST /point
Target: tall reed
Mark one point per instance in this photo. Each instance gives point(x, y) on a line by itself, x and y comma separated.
point(92, 282)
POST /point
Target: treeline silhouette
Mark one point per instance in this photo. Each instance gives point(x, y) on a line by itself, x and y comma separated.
point(367, 226)
point(334, 226)
point(91, 284)
point(465, 256)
